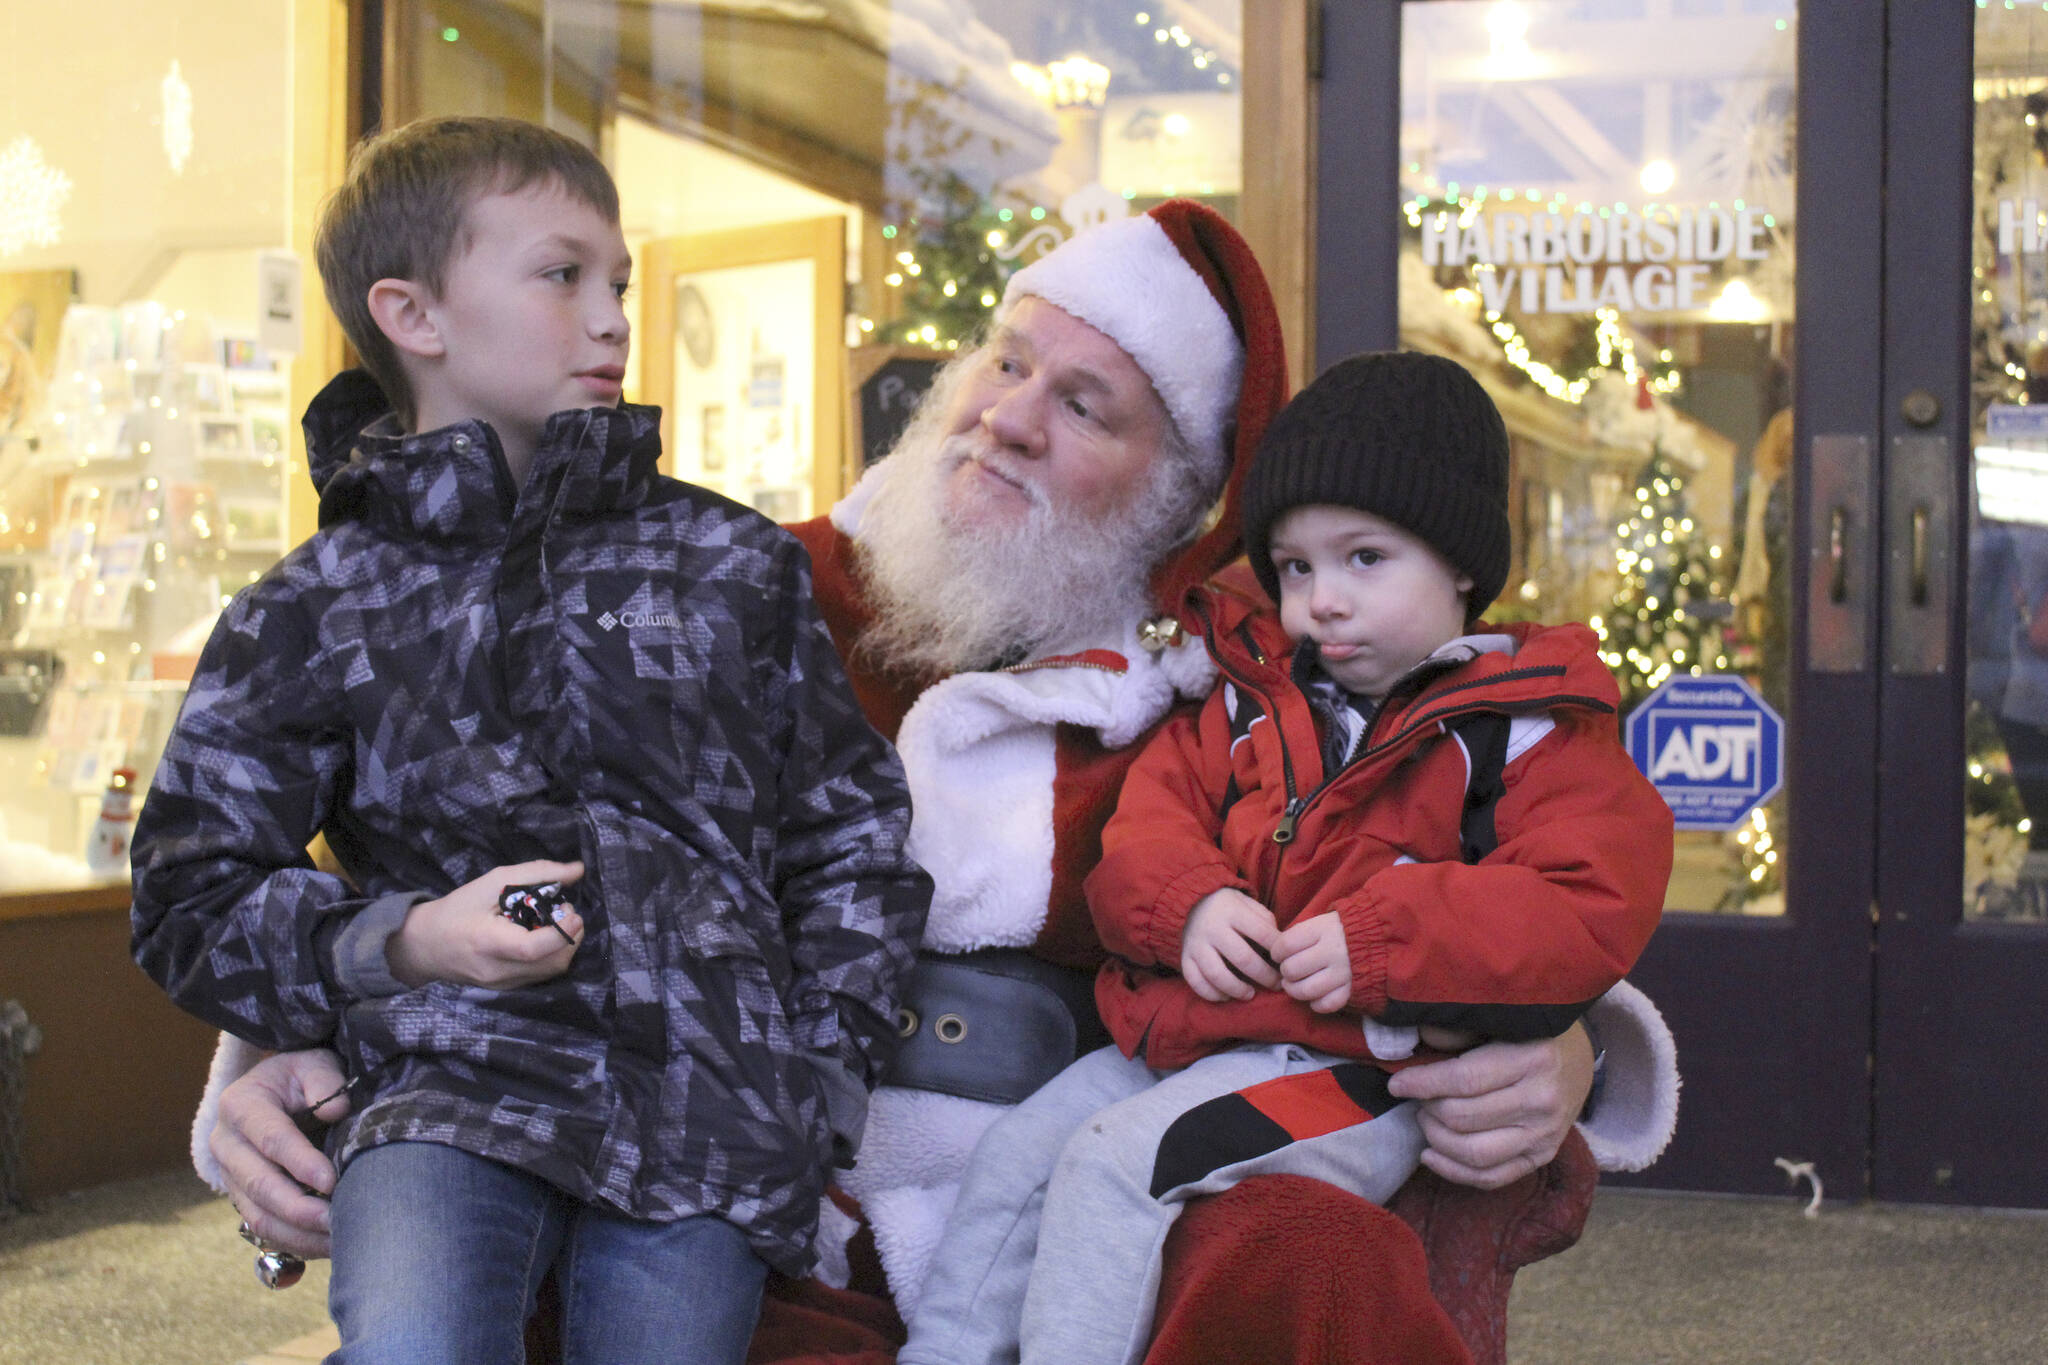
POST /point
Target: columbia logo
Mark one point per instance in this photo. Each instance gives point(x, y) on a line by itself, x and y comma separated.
point(633, 620)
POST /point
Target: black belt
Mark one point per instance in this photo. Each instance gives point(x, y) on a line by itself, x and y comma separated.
point(994, 1024)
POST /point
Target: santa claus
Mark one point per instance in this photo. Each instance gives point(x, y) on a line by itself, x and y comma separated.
point(1002, 587)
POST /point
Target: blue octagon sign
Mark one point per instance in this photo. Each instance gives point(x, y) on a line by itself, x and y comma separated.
point(1711, 748)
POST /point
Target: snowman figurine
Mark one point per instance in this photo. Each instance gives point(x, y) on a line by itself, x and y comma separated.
point(106, 851)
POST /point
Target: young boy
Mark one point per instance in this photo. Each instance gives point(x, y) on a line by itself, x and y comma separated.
point(515, 654)
point(1378, 823)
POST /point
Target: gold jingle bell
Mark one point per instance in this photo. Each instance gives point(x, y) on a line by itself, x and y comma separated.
point(1159, 634)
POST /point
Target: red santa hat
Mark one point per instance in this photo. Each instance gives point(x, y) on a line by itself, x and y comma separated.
point(1179, 290)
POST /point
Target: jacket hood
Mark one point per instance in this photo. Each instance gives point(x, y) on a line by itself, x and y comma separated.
point(453, 483)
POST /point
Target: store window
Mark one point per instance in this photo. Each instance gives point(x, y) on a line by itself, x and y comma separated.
point(146, 413)
point(1598, 219)
point(2005, 826)
point(824, 200)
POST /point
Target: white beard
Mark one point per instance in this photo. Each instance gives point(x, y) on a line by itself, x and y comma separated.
point(949, 598)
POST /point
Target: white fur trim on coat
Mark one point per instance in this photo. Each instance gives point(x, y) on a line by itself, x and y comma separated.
point(980, 812)
point(908, 1223)
point(911, 1161)
point(231, 1059)
point(979, 752)
point(835, 1230)
point(1638, 1107)
point(1128, 281)
point(845, 514)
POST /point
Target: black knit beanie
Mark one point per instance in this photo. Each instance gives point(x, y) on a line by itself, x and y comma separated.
point(1409, 437)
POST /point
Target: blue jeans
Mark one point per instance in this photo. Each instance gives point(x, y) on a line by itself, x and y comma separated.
point(438, 1255)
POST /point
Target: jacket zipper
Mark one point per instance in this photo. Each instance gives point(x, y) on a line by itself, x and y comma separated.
point(1441, 715)
point(1283, 833)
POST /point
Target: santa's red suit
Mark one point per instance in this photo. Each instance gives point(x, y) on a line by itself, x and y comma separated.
point(1013, 774)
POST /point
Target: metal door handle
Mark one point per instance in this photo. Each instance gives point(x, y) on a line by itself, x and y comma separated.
point(1838, 554)
point(1920, 523)
point(1840, 596)
point(1919, 574)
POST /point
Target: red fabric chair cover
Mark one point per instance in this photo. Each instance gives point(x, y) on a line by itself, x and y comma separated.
point(1251, 1277)
point(1251, 1280)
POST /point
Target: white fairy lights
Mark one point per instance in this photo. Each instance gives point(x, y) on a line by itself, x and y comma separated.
point(32, 197)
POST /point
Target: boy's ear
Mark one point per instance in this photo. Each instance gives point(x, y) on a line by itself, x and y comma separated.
point(403, 312)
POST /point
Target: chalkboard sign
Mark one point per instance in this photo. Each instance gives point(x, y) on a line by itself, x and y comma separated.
point(888, 381)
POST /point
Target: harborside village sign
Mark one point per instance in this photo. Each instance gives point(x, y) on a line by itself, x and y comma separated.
point(2021, 226)
point(1635, 261)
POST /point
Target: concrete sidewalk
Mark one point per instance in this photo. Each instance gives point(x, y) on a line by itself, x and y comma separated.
point(1722, 1281)
point(145, 1271)
point(151, 1271)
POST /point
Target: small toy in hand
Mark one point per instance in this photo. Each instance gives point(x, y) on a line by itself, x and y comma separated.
point(277, 1268)
point(535, 906)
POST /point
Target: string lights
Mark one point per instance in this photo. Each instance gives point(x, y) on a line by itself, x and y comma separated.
point(1203, 59)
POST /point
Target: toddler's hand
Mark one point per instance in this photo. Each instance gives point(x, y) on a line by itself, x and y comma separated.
point(462, 938)
point(1225, 945)
point(1315, 962)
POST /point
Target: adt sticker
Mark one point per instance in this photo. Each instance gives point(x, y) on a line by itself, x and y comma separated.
point(1711, 747)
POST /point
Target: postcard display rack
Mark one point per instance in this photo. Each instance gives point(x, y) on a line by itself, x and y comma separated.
point(156, 470)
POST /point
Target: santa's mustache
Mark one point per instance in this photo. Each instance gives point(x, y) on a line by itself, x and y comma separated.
point(978, 450)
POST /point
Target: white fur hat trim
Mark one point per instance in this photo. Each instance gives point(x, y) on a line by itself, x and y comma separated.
point(1127, 280)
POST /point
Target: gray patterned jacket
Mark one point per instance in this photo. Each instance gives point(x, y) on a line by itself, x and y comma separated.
point(612, 666)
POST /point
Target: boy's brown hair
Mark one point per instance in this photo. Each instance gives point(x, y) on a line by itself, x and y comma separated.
point(400, 214)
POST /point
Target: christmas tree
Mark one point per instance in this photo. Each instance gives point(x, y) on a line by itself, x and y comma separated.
point(1666, 615)
point(944, 267)
point(942, 229)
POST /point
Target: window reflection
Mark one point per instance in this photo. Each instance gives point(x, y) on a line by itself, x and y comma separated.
point(956, 140)
point(2005, 821)
point(1598, 207)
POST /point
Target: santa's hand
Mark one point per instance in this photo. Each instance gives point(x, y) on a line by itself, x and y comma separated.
point(266, 1163)
point(1500, 1111)
point(1226, 947)
point(1315, 963)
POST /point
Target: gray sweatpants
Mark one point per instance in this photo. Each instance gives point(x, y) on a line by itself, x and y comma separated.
point(1052, 1253)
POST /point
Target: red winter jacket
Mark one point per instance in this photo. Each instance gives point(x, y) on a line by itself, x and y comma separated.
point(1513, 946)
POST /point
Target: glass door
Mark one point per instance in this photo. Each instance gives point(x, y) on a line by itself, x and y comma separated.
point(1597, 206)
point(2005, 733)
point(1962, 931)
